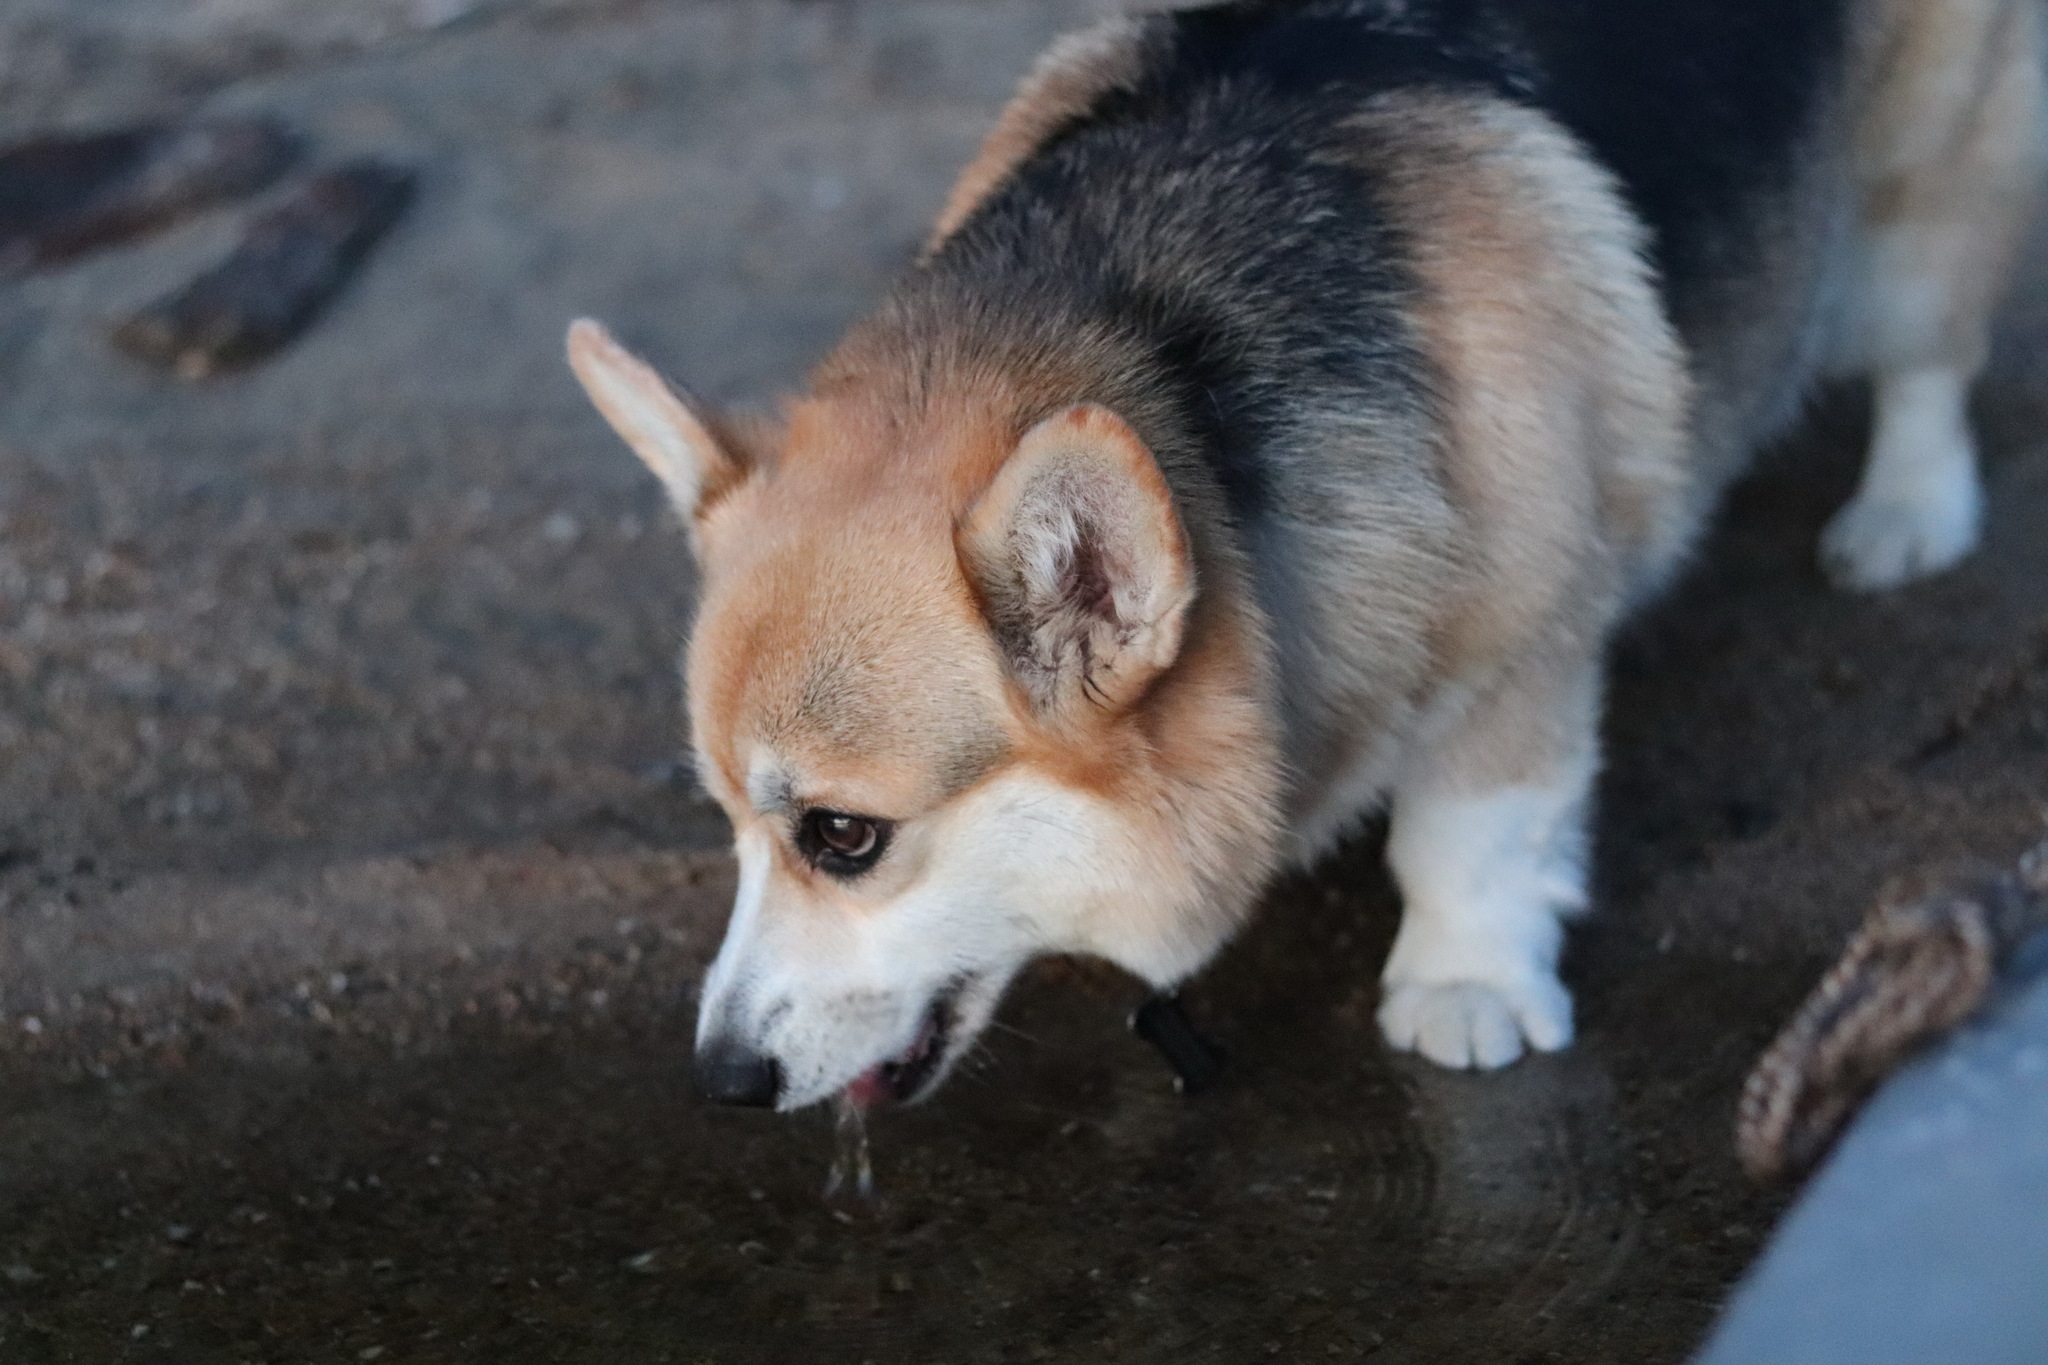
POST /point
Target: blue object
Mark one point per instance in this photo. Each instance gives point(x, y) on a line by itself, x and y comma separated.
point(1924, 1237)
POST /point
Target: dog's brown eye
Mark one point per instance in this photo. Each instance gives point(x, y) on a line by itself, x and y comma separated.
point(847, 835)
point(842, 844)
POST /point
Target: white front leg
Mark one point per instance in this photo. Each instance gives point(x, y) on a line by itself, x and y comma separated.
point(1486, 879)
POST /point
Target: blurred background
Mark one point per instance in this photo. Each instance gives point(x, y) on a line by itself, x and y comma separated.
point(352, 890)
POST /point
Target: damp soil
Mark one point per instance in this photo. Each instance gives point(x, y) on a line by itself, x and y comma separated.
point(352, 895)
point(541, 1186)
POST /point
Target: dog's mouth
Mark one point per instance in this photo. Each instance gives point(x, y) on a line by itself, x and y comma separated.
point(908, 1074)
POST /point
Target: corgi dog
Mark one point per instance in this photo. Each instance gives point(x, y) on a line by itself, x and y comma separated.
point(1290, 400)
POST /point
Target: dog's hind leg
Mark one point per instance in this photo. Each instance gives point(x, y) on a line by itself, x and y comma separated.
point(1947, 160)
point(1488, 843)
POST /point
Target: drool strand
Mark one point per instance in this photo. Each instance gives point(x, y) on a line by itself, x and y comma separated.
point(850, 1160)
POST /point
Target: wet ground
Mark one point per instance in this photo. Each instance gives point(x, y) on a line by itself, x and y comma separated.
point(351, 896)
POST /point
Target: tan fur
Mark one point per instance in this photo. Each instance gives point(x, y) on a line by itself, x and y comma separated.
point(1198, 753)
point(681, 448)
point(1564, 445)
point(1072, 74)
point(1947, 156)
point(789, 595)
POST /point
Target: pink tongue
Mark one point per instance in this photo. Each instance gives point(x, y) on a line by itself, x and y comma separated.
point(867, 1089)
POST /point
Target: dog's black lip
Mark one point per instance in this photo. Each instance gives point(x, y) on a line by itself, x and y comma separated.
point(906, 1077)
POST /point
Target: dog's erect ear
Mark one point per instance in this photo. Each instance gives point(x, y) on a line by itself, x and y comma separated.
point(652, 418)
point(1081, 563)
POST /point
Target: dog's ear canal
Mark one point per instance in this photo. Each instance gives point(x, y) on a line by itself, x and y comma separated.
point(1081, 563)
point(650, 416)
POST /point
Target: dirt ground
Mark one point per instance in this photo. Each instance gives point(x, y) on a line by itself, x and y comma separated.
point(352, 895)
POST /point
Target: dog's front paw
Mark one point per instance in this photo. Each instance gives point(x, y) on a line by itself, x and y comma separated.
point(1476, 1024)
point(1877, 542)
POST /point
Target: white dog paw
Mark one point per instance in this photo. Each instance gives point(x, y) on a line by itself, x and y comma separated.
point(1878, 542)
point(1474, 1024)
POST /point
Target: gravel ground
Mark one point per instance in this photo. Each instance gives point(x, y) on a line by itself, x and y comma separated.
point(352, 894)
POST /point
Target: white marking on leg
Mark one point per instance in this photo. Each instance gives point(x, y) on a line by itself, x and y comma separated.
point(1486, 881)
point(1919, 506)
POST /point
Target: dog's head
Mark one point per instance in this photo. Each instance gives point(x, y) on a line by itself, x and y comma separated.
point(925, 683)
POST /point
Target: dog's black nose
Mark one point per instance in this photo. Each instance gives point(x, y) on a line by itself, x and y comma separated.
point(730, 1073)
